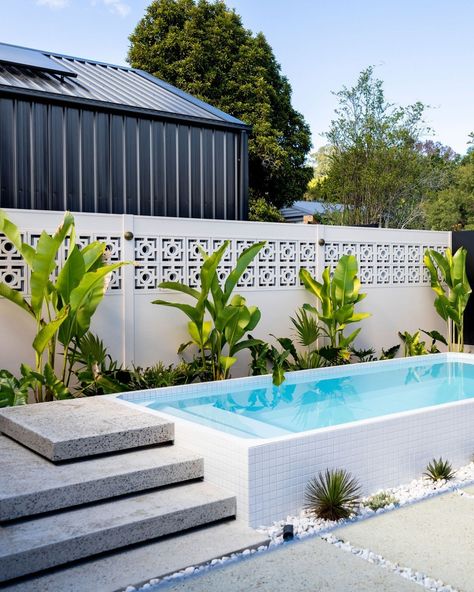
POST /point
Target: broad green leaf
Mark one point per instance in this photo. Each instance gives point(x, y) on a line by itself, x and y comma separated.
point(178, 287)
point(189, 311)
point(71, 274)
point(15, 297)
point(227, 362)
point(92, 255)
point(43, 265)
point(48, 331)
point(244, 260)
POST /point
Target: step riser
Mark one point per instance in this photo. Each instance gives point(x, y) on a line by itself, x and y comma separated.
point(46, 556)
point(95, 490)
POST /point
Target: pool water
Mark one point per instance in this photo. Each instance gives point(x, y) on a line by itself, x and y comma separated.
point(297, 406)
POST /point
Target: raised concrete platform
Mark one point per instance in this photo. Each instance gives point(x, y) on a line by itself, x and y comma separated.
point(435, 537)
point(64, 430)
point(31, 484)
point(51, 540)
point(311, 565)
point(136, 565)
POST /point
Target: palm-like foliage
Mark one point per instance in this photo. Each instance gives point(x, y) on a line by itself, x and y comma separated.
point(449, 281)
point(219, 319)
point(336, 297)
point(439, 469)
point(332, 495)
point(63, 298)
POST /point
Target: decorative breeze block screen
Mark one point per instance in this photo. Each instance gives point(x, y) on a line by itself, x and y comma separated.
point(171, 259)
point(382, 264)
point(13, 270)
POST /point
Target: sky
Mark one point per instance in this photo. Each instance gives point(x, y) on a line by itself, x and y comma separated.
point(423, 50)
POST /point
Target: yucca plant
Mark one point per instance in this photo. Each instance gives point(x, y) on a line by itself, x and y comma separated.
point(332, 495)
point(439, 469)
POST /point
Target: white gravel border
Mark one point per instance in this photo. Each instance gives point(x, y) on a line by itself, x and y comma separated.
point(305, 525)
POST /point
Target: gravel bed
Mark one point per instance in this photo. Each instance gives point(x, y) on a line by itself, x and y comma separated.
point(305, 525)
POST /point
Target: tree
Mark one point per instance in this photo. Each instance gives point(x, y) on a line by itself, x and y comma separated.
point(378, 172)
point(452, 208)
point(202, 47)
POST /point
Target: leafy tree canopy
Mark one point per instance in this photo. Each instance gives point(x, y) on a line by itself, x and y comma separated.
point(453, 207)
point(202, 47)
point(380, 171)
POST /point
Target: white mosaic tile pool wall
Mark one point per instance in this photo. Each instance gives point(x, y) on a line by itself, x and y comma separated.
point(269, 476)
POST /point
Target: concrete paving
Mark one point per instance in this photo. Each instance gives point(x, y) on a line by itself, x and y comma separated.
point(311, 565)
point(435, 537)
point(136, 565)
point(42, 486)
point(55, 539)
point(64, 430)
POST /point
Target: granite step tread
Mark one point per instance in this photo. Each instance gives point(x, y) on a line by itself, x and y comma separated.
point(133, 566)
point(51, 540)
point(76, 428)
point(42, 486)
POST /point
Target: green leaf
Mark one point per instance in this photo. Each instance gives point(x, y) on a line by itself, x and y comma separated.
point(15, 297)
point(177, 287)
point(71, 274)
point(189, 311)
point(92, 255)
point(244, 260)
point(48, 331)
point(226, 362)
point(43, 266)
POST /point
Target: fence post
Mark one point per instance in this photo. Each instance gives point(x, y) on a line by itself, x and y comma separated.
point(128, 289)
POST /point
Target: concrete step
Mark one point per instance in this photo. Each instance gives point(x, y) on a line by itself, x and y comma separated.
point(64, 430)
point(51, 540)
point(42, 486)
point(136, 565)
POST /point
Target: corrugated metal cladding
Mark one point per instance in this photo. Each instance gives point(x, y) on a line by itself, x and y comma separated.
point(55, 157)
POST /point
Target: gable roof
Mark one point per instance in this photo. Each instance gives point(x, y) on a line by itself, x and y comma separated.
point(92, 81)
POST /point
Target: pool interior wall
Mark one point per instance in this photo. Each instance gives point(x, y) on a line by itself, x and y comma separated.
point(269, 476)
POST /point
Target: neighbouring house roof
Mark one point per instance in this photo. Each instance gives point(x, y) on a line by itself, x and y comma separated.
point(299, 209)
point(31, 71)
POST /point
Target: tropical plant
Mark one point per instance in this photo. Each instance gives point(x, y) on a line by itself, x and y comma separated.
point(390, 353)
point(414, 346)
point(337, 297)
point(219, 319)
point(439, 469)
point(381, 500)
point(332, 495)
point(63, 298)
point(368, 355)
point(449, 282)
point(159, 375)
point(14, 391)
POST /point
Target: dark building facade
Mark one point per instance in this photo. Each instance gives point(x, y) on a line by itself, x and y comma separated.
point(91, 137)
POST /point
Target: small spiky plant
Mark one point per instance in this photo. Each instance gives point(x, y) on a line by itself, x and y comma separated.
point(332, 495)
point(439, 469)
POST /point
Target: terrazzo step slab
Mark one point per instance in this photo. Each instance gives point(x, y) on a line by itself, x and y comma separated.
point(139, 564)
point(31, 484)
point(48, 541)
point(64, 430)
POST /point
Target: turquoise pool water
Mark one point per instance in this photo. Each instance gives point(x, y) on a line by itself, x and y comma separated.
point(297, 406)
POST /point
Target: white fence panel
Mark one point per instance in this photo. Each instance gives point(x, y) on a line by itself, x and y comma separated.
point(391, 271)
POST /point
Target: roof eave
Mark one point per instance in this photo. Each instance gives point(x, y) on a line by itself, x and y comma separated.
point(120, 108)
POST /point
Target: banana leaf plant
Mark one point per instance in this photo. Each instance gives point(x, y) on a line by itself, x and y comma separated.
point(449, 282)
point(63, 299)
point(336, 299)
point(219, 319)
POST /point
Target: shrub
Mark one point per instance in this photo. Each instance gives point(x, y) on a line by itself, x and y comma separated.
point(439, 469)
point(260, 210)
point(381, 500)
point(332, 495)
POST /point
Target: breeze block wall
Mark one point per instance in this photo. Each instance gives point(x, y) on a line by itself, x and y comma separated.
point(391, 271)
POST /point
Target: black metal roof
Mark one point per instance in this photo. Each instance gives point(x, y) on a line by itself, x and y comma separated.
point(101, 83)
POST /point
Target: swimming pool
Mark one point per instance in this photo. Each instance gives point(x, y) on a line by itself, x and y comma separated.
point(301, 404)
point(383, 421)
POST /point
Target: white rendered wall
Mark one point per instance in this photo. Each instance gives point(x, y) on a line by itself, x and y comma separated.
point(391, 269)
